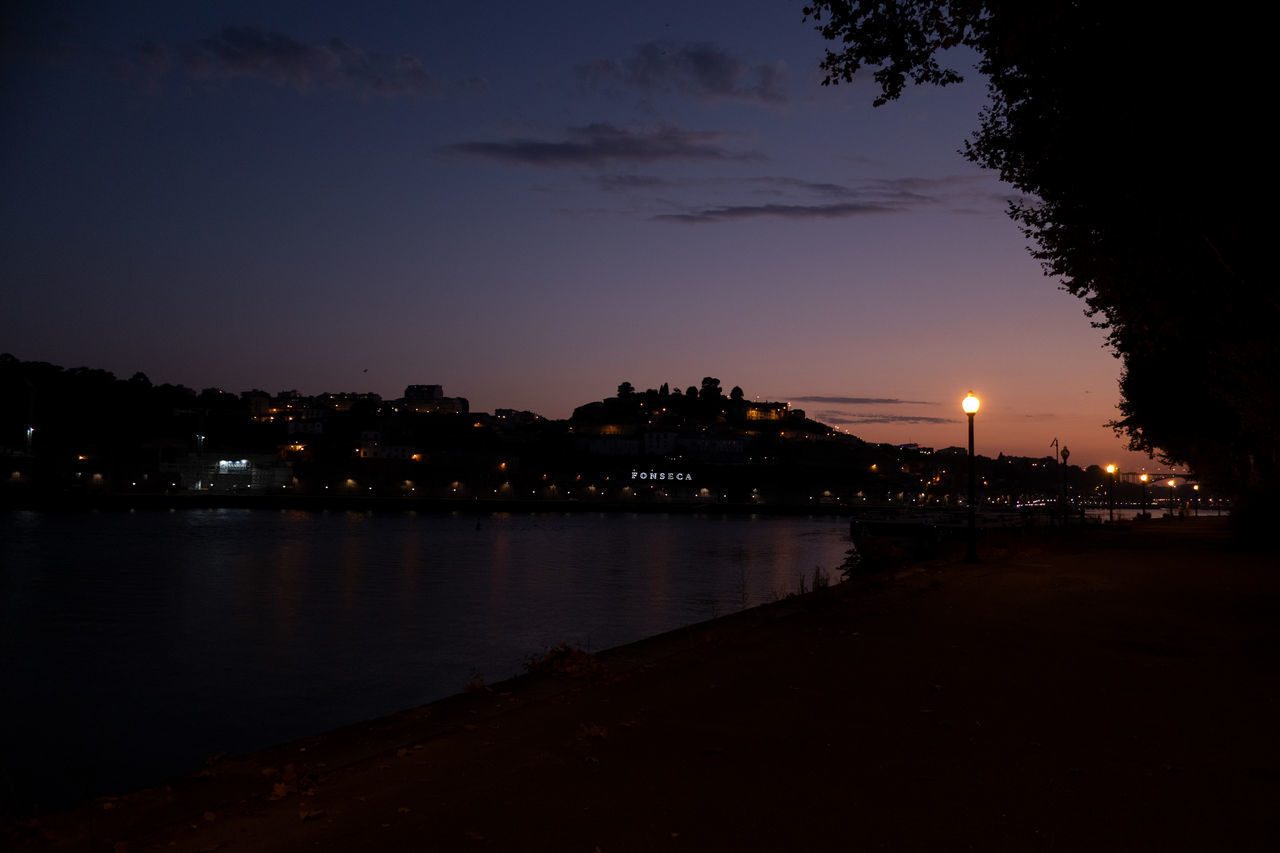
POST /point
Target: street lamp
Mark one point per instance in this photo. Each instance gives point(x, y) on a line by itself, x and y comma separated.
point(1066, 508)
point(1173, 497)
point(1111, 496)
point(970, 405)
point(1143, 478)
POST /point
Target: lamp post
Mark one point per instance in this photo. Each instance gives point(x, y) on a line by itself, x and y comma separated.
point(1111, 495)
point(1066, 509)
point(970, 405)
point(1173, 497)
point(1143, 478)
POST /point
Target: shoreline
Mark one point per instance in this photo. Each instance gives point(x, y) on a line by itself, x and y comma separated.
point(162, 502)
point(1114, 690)
point(317, 503)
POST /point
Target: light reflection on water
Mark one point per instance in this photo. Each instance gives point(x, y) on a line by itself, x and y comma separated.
point(135, 645)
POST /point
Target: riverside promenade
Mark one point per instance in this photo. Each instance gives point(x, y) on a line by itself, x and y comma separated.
point(1113, 688)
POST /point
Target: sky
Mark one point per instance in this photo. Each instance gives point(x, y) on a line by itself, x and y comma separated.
point(528, 204)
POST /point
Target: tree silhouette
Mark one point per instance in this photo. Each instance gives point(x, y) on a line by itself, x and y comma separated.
point(1139, 179)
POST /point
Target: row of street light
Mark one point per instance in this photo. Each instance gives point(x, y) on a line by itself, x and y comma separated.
point(970, 405)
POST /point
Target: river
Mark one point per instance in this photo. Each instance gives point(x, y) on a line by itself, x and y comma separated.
point(135, 645)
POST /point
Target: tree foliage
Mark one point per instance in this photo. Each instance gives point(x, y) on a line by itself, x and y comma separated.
point(1134, 133)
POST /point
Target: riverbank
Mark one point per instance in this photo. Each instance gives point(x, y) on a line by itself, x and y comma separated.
point(287, 500)
point(160, 502)
point(1116, 690)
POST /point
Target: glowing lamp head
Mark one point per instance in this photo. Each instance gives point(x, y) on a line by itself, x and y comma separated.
point(1143, 478)
point(1111, 469)
point(1171, 484)
point(970, 404)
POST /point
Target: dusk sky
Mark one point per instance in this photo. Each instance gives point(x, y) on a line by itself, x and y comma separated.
point(527, 203)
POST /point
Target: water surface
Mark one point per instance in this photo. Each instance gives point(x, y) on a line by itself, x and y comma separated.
point(133, 646)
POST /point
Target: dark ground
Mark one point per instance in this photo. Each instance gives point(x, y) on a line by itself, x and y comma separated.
point(1112, 689)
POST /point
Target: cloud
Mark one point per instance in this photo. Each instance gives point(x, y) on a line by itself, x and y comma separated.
point(878, 418)
point(844, 417)
point(803, 199)
point(51, 41)
point(624, 183)
point(145, 66)
point(279, 59)
point(768, 185)
point(915, 185)
point(961, 193)
point(600, 143)
point(860, 401)
point(786, 211)
point(779, 185)
point(702, 71)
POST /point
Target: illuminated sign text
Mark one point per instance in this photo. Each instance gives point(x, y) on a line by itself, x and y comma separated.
point(661, 475)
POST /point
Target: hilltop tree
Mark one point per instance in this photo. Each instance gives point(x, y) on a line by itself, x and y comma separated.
point(1139, 179)
point(710, 389)
point(625, 390)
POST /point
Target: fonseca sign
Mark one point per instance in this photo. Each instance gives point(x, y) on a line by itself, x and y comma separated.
point(662, 475)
